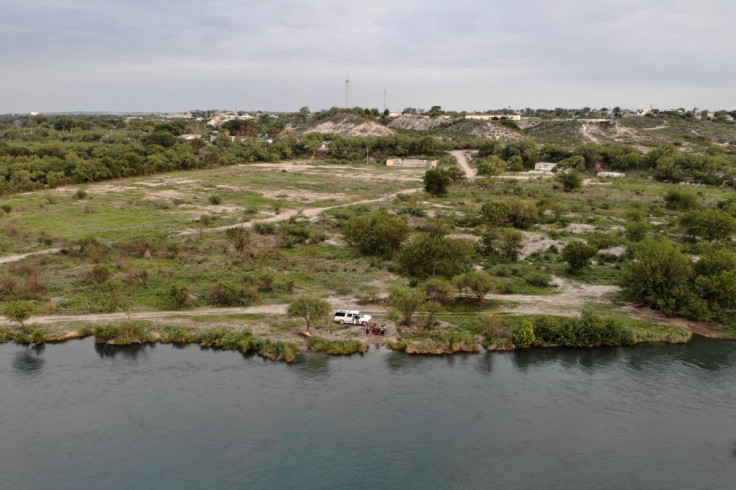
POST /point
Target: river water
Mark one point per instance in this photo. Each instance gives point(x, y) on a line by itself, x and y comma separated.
point(79, 416)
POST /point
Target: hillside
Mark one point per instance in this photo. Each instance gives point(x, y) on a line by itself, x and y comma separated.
point(350, 125)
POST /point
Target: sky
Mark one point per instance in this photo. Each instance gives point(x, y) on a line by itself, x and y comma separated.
point(281, 55)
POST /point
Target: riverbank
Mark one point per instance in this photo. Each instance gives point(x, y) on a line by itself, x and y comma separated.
point(486, 333)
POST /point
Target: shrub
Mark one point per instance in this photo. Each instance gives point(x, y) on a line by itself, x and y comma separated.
point(681, 199)
point(122, 334)
point(100, 273)
point(214, 199)
point(524, 334)
point(577, 255)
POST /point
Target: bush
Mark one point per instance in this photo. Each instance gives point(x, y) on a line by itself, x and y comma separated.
point(570, 180)
point(436, 182)
point(681, 199)
point(127, 333)
point(577, 255)
point(214, 199)
point(524, 334)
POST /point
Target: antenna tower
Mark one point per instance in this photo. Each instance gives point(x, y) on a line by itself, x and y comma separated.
point(384, 99)
point(347, 85)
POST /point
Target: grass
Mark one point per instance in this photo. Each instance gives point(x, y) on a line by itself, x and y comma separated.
point(436, 342)
point(336, 347)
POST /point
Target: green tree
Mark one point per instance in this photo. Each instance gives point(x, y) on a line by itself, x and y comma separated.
point(495, 213)
point(436, 182)
point(657, 276)
point(577, 254)
point(379, 233)
point(312, 310)
point(406, 301)
point(491, 166)
point(480, 283)
point(438, 290)
point(710, 224)
point(503, 242)
point(19, 311)
point(430, 255)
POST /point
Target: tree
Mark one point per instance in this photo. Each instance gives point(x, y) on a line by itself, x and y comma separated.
point(406, 301)
point(480, 283)
point(19, 311)
point(312, 310)
point(430, 255)
point(493, 165)
point(438, 290)
point(658, 275)
point(436, 182)
point(504, 242)
point(710, 224)
point(570, 180)
point(378, 234)
point(577, 254)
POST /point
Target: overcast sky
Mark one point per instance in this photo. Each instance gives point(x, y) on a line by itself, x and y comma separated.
point(174, 55)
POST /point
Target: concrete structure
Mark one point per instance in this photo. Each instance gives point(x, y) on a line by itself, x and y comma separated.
point(408, 162)
point(492, 117)
point(544, 166)
point(613, 175)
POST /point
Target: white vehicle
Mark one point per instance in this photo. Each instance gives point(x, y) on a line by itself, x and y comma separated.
point(351, 316)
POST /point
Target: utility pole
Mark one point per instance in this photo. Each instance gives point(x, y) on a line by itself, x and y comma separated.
point(347, 85)
point(384, 100)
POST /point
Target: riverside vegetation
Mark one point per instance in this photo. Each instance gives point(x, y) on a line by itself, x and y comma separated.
point(226, 245)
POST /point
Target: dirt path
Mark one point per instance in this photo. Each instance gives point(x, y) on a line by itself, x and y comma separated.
point(462, 161)
point(311, 213)
point(17, 257)
point(585, 131)
point(663, 126)
point(153, 315)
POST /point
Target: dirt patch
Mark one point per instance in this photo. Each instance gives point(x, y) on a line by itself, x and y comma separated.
point(537, 242)
point(647, 314)
point(572, 297)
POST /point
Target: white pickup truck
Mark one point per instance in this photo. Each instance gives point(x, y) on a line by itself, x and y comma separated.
point(351, 316)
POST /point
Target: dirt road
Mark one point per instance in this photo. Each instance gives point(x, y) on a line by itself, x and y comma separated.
point(15, 258)
point(463, 162)
point(311, 213)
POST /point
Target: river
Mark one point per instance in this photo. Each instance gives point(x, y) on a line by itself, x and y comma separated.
point(76, 416)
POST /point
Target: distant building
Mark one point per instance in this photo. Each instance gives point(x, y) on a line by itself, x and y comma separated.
point(493, 117)
point(613, 175)
point(408, 162)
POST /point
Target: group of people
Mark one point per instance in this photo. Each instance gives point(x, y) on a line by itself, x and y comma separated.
point(375, 328)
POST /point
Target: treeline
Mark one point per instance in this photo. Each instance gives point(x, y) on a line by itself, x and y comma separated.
point(665, 163)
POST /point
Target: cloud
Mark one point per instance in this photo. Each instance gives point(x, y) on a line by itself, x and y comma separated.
point(282, 54)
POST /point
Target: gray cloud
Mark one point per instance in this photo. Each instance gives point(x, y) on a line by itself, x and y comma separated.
point(173, 55)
